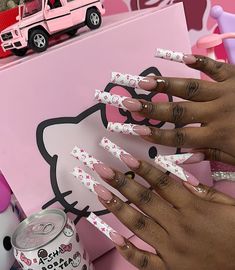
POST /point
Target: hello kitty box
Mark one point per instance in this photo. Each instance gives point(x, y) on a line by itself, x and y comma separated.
point(47, 107)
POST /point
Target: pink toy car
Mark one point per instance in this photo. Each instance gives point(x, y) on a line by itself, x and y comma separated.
point(40, 19)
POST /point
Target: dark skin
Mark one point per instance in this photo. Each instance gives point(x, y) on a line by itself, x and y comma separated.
point(189, 227)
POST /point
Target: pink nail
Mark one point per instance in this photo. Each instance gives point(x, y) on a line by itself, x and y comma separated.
point(130, 161)
point(195, 158)
point(189, 59)
point(103, 193)
point(117, 239)
point(142, 130)
point(104, 171)
point(191, 179)
point(132, 105)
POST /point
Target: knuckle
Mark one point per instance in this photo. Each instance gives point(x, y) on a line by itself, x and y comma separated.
point(192, 89)
point(140, 223)
point(214, 154)
point(145, 197)
point(162, 181)
point(143, 261)
point(178, 112)
point(179, 137)
point(120, 180)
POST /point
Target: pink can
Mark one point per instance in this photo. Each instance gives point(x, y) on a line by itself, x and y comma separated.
point(48, 241)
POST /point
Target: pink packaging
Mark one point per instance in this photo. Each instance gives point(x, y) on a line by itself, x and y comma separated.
point(47, 107)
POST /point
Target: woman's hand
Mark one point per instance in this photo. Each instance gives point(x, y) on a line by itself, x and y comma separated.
point(212, 104)
point(189, 228)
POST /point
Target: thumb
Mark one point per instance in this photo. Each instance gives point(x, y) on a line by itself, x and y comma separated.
point(210, 194)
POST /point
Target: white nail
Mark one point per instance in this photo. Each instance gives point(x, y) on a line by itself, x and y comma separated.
point(101, 225)
point(170, 55)
point(111, 99)
point(127, 79)
point(171, 167)
point(112, 148)
point(87, 180)
point(122, 128)
point(84, 157)
point(179, 158)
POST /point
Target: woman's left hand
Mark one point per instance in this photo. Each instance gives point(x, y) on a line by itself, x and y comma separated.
point(190, 228)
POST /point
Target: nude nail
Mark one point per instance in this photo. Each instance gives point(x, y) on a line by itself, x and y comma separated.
point(118, 101)
point(176, 170)
point(117, 239)
point(129, 80)
point(130, 161)
point(103, 192)
point(104, 171)
point(175, 56)
point(129, 129)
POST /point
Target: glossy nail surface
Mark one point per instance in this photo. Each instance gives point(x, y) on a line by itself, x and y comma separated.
point(130, 161)
point(129, 129)
point(117, 239)
point(104, 171)
point(127, 79)
point(103, 192)
point(132, 105)
point(189, 59)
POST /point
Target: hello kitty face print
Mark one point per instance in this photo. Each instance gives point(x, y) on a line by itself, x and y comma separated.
point(76, 259)
point(57, 137)
point(68, 230)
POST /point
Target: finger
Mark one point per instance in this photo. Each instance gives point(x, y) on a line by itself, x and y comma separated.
point(210, 194)
point(171, 190)
point(141, 259)
point(218, 71)
point(146, 200)
point(217, 155)
point(188, 137)
point(180, 113)
point(141, 225)
point(189, 89)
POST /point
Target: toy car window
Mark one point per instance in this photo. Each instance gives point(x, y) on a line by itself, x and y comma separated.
point(54, 4)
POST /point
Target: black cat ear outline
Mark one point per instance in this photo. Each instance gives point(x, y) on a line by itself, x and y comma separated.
point(52, 160)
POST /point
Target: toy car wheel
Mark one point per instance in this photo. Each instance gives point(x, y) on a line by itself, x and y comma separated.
point(19, 52)
point(72, 32)
point(93, 19)
point(38, 40)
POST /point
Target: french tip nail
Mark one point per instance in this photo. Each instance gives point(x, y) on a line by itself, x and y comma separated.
point(103, 192)
point(189, 59)
point(142, 130)
point(191, 179)
point(130, 161)
point(132, 105)
point(104, 171)
point(118, 239)
point(196, 158)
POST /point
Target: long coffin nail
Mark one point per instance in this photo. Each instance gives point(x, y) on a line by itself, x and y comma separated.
point(118, 239)
point(104, 171)
point(176, 170)
point(129, 129)
point(129, 80)
point(103, 193)
point(122, 102)
point(119, 153)
point(84, 157)
point(87, 180)
point(175, 56)
point(101, 225)
point(188, 158)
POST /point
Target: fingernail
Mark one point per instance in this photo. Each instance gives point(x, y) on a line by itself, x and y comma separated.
point(195, 158)
point(187, 158)
point(118, 101)
point(127, 79)
point(103, 192)
point(87, 159)
point(101, 225)
point(129, 129)
point(117, 239)
point(87, 180)
point(112, 148)
point(176, 170)
point(132, 105)
point(130, 161)
point(175, 56)
point(104, 171)
point(189, 59)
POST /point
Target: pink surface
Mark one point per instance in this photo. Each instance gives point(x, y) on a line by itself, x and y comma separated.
point(5, 194)
point(32, 104)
